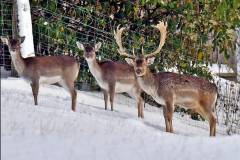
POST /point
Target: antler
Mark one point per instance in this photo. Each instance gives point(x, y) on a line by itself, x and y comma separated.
point(162, 27)
point(118, 36)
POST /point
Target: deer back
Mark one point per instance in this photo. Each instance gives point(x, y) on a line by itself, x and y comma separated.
point(179, 82)
point(49, 66)
point(117, 71)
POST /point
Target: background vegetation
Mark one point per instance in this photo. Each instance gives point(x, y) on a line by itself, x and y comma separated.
point(196, 29)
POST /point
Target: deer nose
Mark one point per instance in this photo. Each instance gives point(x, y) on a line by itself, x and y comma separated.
point(87, 55)
point(138, 71)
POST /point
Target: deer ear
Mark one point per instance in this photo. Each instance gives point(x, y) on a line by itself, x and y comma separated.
point(97, 46)
point(150, 60)
point(80, 46)
point(4, 40)
point(129, 61)
point(21, 39)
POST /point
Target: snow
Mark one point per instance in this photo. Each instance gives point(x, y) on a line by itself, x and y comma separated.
point(225, 85)
point(220, 68)
point(214, 69)
point(25, 28)
point(52, 131)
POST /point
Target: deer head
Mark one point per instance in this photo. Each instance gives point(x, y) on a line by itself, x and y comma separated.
point(13, 44)
point(141, 62)
point(89, 52)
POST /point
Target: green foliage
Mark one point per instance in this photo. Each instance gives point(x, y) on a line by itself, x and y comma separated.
point(193, 115)
point(5, 18)
point(190, 25)
point(197, 116)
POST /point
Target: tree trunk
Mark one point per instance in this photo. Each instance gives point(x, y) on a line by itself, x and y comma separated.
point(25, 27)
point(22, 26)
point(14, 33)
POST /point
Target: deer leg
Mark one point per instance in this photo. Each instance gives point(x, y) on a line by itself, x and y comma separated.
point(73, 96)
point(168, 113)
point(111, 92)
point(212, 122)
point(140, 107)
point(74, 99)
point(208, 115)
point(166, 119)
point(170, 122)
point(139, 101)
point(70, 87)
point(35, 89)
point(105, 94)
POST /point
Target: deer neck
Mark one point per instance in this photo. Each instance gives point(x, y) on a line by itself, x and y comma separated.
point(94, 68)
point(147, 83)
point(18, 61)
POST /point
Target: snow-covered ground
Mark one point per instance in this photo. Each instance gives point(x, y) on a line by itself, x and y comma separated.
point(52, 131)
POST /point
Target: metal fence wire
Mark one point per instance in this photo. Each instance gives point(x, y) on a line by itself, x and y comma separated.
point(62, 23)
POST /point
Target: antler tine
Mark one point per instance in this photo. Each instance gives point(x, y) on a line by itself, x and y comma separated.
point(133, 52)
point(118, 36)
point(162, 27)
point(142, 51)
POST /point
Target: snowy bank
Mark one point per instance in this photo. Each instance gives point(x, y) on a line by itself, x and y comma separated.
point(52, 131)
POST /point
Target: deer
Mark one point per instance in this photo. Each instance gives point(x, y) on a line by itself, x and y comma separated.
point(44, 69)
point(112, 77)
point(169, 89)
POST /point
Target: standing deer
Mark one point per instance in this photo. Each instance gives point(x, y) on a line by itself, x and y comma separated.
point(169, 89)
point(44, 70)
point(112, 77)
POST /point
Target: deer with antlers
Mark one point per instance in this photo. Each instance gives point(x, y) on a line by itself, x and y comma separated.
point(112, 77)
point(170, 89)
point(44, 69)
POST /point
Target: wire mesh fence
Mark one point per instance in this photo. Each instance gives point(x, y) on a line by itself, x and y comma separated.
point(6, 29)
point(60, 24)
